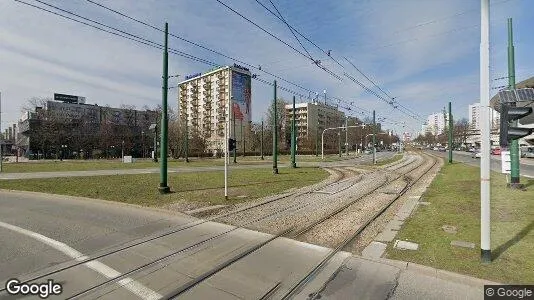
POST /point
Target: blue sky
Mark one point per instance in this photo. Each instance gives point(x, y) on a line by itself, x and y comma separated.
point(422, 52)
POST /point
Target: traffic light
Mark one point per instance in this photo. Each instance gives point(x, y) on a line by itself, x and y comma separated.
point(508, 114)
point(231, 144)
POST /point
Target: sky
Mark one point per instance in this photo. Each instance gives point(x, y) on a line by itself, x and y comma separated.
point(423, 53)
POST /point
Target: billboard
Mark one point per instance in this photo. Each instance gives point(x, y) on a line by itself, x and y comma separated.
point(241, 91)
point(69, 98)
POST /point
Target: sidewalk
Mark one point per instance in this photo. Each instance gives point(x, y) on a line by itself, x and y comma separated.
point(366, 278)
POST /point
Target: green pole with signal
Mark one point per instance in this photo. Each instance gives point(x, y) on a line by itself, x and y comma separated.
point(514, 146)
point(293, 138)
point(275, 134)
point(163, 187)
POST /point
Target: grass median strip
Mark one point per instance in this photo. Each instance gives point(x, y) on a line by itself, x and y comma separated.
point(88, 165)
point(454, 198)
point(386, 161)
point(203, 188)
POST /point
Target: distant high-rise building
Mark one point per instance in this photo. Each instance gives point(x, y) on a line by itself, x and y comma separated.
point(203, 102)
point(313, 117)
point(474, 117)
point(435, 124)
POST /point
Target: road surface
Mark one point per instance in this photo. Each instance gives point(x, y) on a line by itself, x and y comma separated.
point(526, 164)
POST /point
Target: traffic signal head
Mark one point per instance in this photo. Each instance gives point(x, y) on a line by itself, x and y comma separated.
point(508, 114)
point(231, 144)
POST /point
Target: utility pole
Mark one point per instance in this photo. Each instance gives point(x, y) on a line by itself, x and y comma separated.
point(261, 142)
point(374, 138)
point(485, 227)
point(186, 139)
point(450, 132)
point(325, 97)
point(275, 134)
point(163, 187)
point(1, 137)
point(317, 137)
point(293, 137)
point(242, 138)
point(235, 149)
point(514, 146)
point(347, 136)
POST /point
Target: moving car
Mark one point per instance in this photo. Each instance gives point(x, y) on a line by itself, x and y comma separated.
point(496, 151)
point(527, 151)
point(476, 154)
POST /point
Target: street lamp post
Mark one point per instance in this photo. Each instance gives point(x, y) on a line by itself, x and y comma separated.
point(322, 135)
point(122, 151)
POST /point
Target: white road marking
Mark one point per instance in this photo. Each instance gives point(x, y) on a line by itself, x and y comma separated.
point(131, 285)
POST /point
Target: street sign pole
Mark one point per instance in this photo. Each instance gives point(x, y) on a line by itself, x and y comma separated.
point(450, 132)
point(514, 146)
point(275, 134)
point(374, 138)
point(293, 138)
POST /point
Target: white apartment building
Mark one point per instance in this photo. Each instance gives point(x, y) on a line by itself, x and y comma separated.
point(435, 124)
point(313, 117)
point(474, 117)
point(204, 104)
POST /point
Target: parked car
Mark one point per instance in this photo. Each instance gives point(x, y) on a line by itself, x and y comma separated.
point(496, 151)
point(476, 154)
point(435, 149)
point(472, 149)
point(527, 151)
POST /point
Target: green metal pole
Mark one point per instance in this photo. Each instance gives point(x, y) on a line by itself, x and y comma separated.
point(163, 187)
point(275, 134)
point(235, 149)
point(317, 138)
point(242, 138)
point(347, 136)
point(374, 138)
point(261, 142)
point(514, 146)
point(339, 142)
point(186, 140)
point(293, 138)
point(450, 133)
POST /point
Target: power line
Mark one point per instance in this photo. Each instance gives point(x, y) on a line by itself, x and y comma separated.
point(153, 44)
point(280, 40)
point(337, 62)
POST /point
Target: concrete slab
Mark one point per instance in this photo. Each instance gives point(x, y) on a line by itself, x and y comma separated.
point(394, 224)
point(463, 244)
point(424, 203)
point(374, 250)
point(386, 236)
point(362, 279)
point(283, 261)
point(405, 245)
point(324, 276)
point(449, 229)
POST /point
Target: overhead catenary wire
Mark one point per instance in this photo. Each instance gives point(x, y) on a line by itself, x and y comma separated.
point(144, 41)
point(328, 53)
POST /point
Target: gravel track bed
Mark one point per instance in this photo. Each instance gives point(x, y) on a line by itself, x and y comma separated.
point(331, 232)
point(316, 206)
point(378, 225)
point(242, 218)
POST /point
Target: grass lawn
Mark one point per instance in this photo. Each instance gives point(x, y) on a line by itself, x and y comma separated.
point(207, 187)
point(85, 165)
point(455, 200)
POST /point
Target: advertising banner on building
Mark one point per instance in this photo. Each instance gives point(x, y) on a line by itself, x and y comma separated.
point(241, 91)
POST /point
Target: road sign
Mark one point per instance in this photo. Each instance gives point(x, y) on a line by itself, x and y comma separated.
point(506, 165)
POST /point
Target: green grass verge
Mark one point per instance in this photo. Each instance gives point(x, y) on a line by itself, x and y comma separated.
point(205, 187)
point(454, 198)
point(87, 165)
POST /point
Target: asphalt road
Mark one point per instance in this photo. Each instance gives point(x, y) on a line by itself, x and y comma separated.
point(40, 233)
point(526, 164)
point(361, 159)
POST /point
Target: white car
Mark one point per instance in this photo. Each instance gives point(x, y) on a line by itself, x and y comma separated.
point(476, 155)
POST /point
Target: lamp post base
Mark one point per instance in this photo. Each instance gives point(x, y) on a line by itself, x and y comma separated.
point(164, 189)
point(275, 170)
